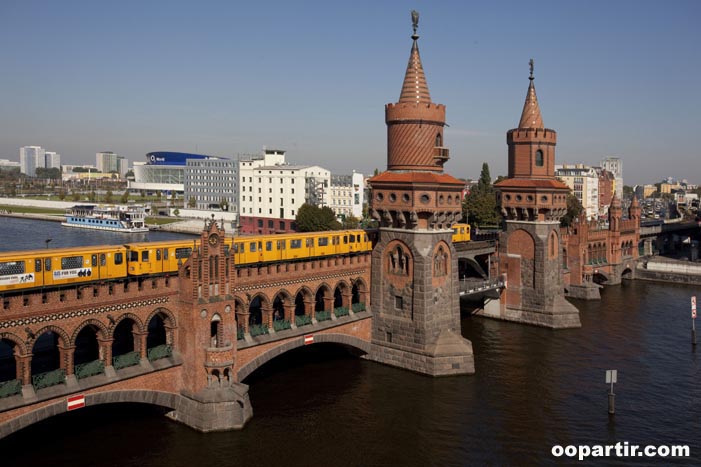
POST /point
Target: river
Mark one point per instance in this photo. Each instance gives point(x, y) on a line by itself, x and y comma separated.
point(533, 388)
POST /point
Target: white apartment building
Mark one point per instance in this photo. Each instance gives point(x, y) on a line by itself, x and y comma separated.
point(108, 161)
point(52, 160)
point(346, 195)
point(584, 182)
point(31, 157)
point(272, 191)
point(211, 183)
point(615, 166)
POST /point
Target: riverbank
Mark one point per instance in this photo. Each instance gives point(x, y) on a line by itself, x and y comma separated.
point(661, 269)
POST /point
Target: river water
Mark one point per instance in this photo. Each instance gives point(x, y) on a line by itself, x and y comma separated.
point(533, 388)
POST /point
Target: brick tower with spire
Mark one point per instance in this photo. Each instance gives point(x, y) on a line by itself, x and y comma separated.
point(532, 202)
point(415, 298)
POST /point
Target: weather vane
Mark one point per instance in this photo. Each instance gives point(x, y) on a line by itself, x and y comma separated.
point(415, 20)
point(530, 64)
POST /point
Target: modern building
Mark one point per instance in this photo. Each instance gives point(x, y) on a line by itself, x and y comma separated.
point(52, 160)
point(211, 184)
point(163, 171)
point(8, 165)
point(272, 191)
point(31, 157)
point(346, 195)
point(584, 183)
point(108, 161)
point(615, 166)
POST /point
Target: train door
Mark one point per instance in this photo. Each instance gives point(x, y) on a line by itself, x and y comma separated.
point(281, 249)
point(309, 246)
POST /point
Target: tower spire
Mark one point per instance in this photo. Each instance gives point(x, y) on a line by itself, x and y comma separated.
point(415, 88)
point(530, 117)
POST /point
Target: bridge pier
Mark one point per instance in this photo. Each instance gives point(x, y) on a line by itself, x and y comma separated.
point(214, 409)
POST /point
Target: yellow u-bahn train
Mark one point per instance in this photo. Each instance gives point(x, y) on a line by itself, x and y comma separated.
point(21, 270)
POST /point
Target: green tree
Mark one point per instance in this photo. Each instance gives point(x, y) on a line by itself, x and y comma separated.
point(314, 219)
point(350, 222)
point(92, 196)
point(75, 196)
point(53, 173)
point(62, 194)
point(125, 197)
point(192, 202)
point(224, 204)
point(480, 205)
point(109, 196)
point(628, 191)
point(574, 209)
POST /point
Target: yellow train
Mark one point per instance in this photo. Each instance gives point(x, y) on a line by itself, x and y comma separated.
point(65, 266)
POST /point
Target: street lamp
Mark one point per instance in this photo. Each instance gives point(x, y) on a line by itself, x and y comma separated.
point(47, 243)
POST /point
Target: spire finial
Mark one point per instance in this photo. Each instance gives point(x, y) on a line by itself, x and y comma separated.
point(415, 23)
point(530, 65)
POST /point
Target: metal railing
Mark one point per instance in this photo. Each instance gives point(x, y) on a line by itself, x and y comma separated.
point(470, 286)
point(83, 370)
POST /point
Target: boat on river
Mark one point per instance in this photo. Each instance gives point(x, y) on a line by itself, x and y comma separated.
point(112, 217)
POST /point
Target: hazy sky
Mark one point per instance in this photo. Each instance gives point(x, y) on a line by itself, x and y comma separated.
point(614, 78)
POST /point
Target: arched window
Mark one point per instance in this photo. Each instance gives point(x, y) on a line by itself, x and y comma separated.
point(539, 158)
point(439, 140)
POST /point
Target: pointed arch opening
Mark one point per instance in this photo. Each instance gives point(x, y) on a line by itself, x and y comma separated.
point(46, 361)
point(87, 356)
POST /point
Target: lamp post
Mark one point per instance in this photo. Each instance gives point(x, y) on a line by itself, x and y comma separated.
point(47, 242)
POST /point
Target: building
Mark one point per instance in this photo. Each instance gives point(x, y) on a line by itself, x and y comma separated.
point(606, 190)
point(272, 191)
point(346, 195)
point(584, 183)
point(9, 166)
point(615, 166)
point(211, 184)
point(109, 162)
point(163, 171)
point(31, 157)
point(52, 160)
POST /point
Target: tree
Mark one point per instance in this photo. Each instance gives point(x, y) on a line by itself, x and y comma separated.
point(628, 191)
point(314, 219)
point(51, 173)
point(192, 202)
point(75, 196)
point(92, 196)
point(480, 205)
point(574, 209)
point(350, 222)
point(62, 194)
point(125, 197)
point(109, 196)
point(224, 204)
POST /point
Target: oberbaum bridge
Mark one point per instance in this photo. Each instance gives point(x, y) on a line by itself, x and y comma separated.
point(184, 343)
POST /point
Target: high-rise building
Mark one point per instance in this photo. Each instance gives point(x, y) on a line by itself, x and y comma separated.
point(584, 183)
point(106, 162)
point(52, 160)
point(31, 157)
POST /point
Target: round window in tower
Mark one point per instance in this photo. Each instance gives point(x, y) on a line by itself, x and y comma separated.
point(379, 197)
point(529, 198)
point(519, 198)
point(425, 198)
point(392, 197)
point(544, 199)
point(441, 199)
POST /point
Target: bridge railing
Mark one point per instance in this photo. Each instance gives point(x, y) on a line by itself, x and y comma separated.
point(471, 285)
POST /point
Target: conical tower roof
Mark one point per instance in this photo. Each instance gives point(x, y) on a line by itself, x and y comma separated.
point(415, 88)
point(530, 117)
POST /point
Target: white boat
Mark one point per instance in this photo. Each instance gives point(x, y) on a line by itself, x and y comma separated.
point(113, 217)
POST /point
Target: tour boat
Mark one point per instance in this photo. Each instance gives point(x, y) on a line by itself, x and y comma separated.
point(113, 217)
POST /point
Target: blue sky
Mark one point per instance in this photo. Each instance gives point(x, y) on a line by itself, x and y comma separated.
point(614, 78)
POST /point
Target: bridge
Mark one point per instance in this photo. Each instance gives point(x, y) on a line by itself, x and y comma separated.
point(176, 342)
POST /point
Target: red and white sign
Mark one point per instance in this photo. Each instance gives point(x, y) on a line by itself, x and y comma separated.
point(309, 339)
point(693, 306)
point(76, 402)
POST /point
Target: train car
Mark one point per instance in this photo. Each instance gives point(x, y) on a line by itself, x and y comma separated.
point(461, 233)
point(61, 266)
point(158, 257)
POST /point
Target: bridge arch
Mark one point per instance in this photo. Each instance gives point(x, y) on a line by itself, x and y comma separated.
point(359, 291)
point(98, 325)
point(323, 296)
point(131, 316)
point(304, 300)
point(342, 294)
point(159, 398)
point(334, 338)
point(19, 343)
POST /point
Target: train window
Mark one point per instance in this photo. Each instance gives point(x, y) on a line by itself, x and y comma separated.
point(268, 245)
point(158, 254)
point(296, 243)
point(253, 247)
point(93, 260)
point(165, 254)
point(236, 247)
point(17, 267)
point(71, 262)
point(37, 265)
point(310, 242)
point(345, 239)
point(181, 253)
point(323, 241)
point(352, 238)
point(118, 258)
point(144, 256)
point(281, 244)
point(365, 237)
point(47, 264)
point(335, 240)
point(103, 259)
point(133, 256)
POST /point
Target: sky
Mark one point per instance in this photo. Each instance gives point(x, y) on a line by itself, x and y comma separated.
point(226, 78)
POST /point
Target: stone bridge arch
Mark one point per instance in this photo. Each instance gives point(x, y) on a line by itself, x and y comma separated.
point(333, 338)
point(160, 398)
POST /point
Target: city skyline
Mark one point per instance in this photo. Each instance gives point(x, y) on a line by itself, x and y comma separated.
point(312, 79)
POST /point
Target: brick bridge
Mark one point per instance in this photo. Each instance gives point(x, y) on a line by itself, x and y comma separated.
point(183, 342)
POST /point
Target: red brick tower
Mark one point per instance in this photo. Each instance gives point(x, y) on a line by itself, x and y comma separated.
point(415, 297)
point(213, 399)
point(532, 202)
